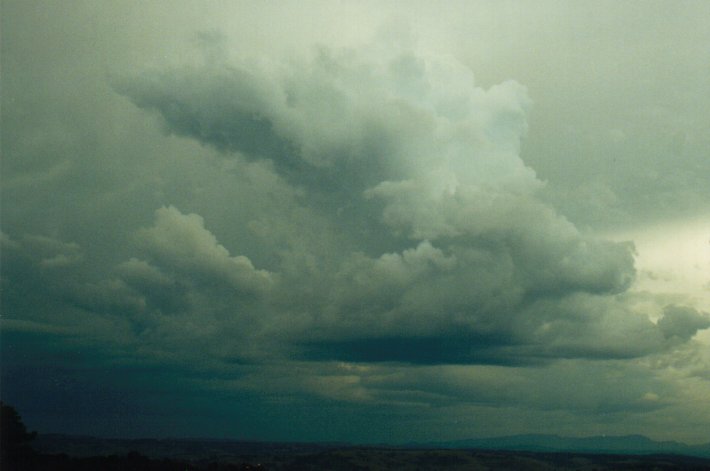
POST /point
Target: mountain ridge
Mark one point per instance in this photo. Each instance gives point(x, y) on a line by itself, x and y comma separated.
point(624, 444)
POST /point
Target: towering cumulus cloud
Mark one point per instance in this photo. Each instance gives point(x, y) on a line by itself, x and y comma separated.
point(433, 246)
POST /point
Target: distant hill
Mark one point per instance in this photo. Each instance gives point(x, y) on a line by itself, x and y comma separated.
point(622, 444)
point(522, 453)
point(186, 448)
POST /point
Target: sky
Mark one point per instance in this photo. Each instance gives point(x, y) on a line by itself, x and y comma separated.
point(356, 221)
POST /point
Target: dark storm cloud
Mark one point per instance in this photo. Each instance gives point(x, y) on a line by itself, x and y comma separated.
point(393, 221)
point(411, 152)
point(227, 109)
point(365, 244)
point(682, 322)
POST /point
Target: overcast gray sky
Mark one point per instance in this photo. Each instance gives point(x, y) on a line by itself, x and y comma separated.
point(359, 221)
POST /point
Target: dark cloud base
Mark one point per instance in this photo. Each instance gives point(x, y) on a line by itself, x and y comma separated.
point(433, 350)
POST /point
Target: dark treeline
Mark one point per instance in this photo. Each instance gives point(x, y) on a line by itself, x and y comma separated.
point(17, 454)
point(130, 461)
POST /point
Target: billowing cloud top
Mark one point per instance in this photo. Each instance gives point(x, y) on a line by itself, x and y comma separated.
point(449, 254)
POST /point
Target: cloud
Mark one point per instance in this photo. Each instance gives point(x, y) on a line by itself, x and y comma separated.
point(682, 322)
point(181, 243)
point(369, 237)
point(53, 252)
point(389, 148)
point(375, 214)
point(344, 120)
point(229, 111)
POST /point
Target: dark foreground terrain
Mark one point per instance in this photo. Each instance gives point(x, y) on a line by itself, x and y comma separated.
point(26, 451)
point(100, 454)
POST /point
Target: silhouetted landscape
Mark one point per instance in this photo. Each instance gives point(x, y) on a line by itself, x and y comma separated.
point(22, 450)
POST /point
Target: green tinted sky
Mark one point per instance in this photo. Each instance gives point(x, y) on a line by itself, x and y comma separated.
point(366, 221)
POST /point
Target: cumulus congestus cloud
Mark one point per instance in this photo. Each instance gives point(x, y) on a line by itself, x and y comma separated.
point(443, 251)
point(181, 243)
